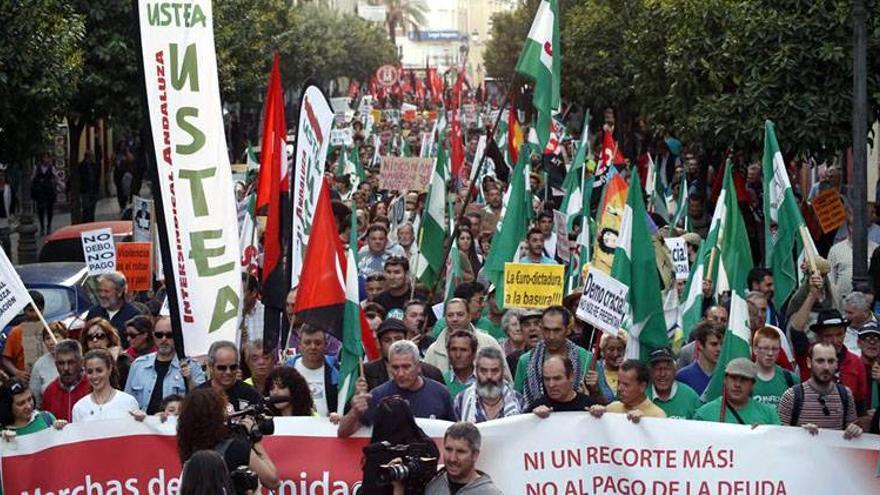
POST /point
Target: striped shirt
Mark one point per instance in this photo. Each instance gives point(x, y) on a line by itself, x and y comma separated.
point(824, 410)
point(469, 407)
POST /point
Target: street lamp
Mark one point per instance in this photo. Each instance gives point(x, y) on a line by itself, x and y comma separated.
point(860, 145)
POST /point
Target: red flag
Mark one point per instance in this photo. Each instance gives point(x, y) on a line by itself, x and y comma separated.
point(514, 133)
point(353, 90)
point(320, 299)
point(435, 85)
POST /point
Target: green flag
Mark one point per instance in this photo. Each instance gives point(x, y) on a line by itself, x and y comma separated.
point(782, 220)
point(635, 265)
point(432, 235)
point(352, 353)
point(512, 228)
point(734, 260)
point(681, 205)
point(540, 60)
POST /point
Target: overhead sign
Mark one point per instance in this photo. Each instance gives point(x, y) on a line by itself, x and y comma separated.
point(387, 75)
point(829, 210)
point(532, 285)
point(603, 302)
point(678, 247)
point(133, 259)
point(398, 173)
point(99, 250)
point(442, 35)
point(13, 295)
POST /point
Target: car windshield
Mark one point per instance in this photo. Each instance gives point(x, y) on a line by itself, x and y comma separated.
point(59, 301)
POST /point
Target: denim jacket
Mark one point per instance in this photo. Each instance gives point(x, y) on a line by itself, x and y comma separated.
point(142, 379)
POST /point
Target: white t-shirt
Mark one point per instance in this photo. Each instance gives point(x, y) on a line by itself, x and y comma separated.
point(315, 379)
point(117, 407)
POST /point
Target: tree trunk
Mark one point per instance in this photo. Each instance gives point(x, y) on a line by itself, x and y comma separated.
point(392, 28)
point(74, 199)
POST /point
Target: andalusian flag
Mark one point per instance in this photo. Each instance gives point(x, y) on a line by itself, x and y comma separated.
point(432, 235)
point(540, 60)
point(248, 239)
point(681, 205)
point(352, 353)
point(512, 227)
point(734, 259)
point(578, 192)
point(635, 265)
point(656, 191)
point(782, 220)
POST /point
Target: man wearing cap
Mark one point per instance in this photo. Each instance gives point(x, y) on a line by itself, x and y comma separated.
point(633, 381)
point(771, 380)
point(692, 240)
point(379, 371)
point(676, 399)
point(530, 326)
point(869, 343)
point(736, 406)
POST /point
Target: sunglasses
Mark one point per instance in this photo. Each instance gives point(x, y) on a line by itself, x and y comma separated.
point(132, 335)
point(825, 410)
point(226, 367)
point(163, 335)
point(96, 336)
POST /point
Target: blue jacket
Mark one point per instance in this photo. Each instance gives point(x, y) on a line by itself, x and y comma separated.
point(142, 379)
point(331, 379)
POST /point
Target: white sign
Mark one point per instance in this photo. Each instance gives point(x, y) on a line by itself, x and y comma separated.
point(603, 302)
point(13, 295)
point(142, 219)
point(341, 137)
point(99, 251)
point(563, 245)
point(340, 104)
point(195, 179)
point(312, 141)
point(678, 247)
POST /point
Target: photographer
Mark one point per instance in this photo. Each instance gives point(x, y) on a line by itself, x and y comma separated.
point(400, 458)
point(203, 425)
point(459, 476)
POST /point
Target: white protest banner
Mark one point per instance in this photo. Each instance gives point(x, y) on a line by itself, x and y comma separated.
point(567, 453)
point(399, 173)
point(13, 295)
point(312, 141)
point(142, 219)
point(341, 137)
point(199, 230)
point(99, 250)
point(603, 302)
point(678, 247)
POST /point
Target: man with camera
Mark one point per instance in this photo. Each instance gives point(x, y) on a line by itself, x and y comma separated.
point(223, 366)
point(461, 451)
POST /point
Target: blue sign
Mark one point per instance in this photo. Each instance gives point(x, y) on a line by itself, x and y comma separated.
point(445, 35)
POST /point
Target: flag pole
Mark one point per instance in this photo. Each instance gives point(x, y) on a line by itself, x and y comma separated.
point(808, 251)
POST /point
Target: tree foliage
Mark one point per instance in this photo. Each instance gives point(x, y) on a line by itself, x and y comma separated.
point(41, 61)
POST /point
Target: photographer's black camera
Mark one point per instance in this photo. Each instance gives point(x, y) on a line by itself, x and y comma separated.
point(263, 423)
point(416, 465)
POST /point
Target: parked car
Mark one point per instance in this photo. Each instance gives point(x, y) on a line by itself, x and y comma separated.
point(67, 288)
point(65, 243)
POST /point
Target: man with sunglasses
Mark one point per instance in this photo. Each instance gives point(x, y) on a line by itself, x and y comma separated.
point(157, 375)
point(223, 368)
point(821, 402)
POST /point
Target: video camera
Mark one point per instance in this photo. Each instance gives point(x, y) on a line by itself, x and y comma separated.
point(260, 413)
point(416, 467)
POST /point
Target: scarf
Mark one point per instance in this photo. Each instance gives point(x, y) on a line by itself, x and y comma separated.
point(534, 386)
point(470, 409)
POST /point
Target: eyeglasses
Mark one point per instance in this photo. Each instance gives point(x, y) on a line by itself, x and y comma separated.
point(96, 336)
point(226, 367)
point(825, 410)
point(163, 335)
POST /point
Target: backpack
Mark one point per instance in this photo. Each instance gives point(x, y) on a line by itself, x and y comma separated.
point(799, 403)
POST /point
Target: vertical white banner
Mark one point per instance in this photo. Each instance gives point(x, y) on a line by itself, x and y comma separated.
point(183, 95)
point(312, 140)
point(13, 295)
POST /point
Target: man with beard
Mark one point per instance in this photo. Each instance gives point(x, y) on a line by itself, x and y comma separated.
point(490, 397)
point(821, 402)
point(157, 375)
point(112, 304)
point(736, 405)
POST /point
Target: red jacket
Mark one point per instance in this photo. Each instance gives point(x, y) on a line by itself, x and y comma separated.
point(59, 401)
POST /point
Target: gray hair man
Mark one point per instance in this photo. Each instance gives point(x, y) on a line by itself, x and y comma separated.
point(113, 304)
point(490, 397)
point(856, 309)
point(223, 368)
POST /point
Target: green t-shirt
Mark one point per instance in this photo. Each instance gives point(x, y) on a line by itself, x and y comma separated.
point(754, 413)
point(682, 404)
point(454, 385)
point(770, 392)
point(39, 422)
point(519, 380)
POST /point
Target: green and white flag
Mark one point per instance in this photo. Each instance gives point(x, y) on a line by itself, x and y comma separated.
point(635, 265)
point(540, 60)
point(578, 191)
point(352, 353)
point(432, 235)
point(247, 237)
point(656, 192)
point(734, 259)
point(681, 205)
point(782, 220)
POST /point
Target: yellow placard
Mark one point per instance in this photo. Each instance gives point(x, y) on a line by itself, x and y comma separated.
point(531, 285)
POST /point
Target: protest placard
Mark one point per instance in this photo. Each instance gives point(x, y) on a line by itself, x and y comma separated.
point(142, 219)
point(341, 137)
point(133, 260)
point(678, 247)
point(530, 285)
point(397, 173)
point(603, 303)
point(829, 210)
point(13, 296)
point(563, 246)
point(99, 250)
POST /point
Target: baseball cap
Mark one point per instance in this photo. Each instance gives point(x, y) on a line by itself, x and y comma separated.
point(391, 324)
point(531, 313)
point(661, 354)
point(741, 367)
point(869, 328)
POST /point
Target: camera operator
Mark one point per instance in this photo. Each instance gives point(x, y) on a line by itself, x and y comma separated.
point(459, 476)
point(401, 458)
point(204, 425)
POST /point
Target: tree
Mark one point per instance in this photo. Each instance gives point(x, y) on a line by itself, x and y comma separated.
point(403, 13)
point(41, 61)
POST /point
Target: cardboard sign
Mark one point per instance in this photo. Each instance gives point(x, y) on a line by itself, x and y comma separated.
point(530, 285)
point(399, 173)
point(603, 303)
point(142, 219)
point(563, 246)
point(133, 260)
point(99, 250)
point(341, 137)
point(829, 210)
point(678, 247)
